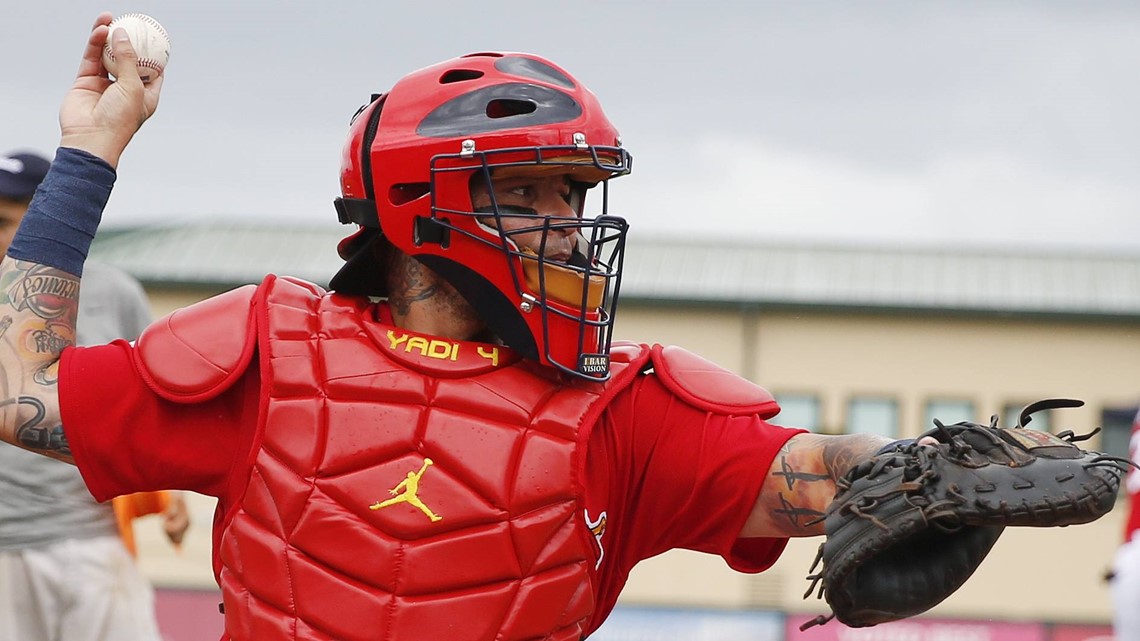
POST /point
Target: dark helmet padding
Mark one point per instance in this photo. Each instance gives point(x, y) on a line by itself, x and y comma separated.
point(362, 273)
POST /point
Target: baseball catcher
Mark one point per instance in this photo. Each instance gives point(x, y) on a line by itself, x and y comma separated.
point(450, 444)
point(908, 526)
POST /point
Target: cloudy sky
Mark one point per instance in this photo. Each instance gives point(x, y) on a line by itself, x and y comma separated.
point(994, 123)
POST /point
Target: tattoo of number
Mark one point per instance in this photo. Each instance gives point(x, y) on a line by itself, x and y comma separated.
point(33, 435)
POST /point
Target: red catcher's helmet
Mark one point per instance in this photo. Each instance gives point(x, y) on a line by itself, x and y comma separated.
point(407, 172)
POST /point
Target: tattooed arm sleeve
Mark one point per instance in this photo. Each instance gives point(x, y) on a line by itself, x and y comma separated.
point(38, 309)
point(801, 482)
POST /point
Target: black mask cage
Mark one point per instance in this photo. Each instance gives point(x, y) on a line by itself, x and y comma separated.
point(568, 305)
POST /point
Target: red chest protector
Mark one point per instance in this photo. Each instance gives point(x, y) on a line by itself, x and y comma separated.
point(405, 487)
point(402, 487)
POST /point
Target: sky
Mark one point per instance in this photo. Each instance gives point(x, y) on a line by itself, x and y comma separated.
point(992, 123)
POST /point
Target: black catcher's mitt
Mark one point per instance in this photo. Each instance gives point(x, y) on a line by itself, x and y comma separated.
point(908, 526)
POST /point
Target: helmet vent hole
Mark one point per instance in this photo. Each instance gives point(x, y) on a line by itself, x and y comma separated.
point(459, 75)
point(505, 108)
point(407, 192)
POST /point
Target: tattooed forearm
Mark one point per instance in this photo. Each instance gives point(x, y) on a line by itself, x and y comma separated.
point(38, 310)
point(796, 494)
point(802, 483)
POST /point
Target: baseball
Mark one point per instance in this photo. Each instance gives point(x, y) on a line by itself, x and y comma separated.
point(149, 40)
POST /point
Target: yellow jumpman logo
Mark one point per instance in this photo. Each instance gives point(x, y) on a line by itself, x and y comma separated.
point(410, 485)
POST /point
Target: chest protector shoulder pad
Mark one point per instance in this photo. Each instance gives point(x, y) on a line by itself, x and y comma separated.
point(708, 386)
point(195, 353)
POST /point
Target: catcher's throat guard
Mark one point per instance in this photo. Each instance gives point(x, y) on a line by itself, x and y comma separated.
point(908, 526)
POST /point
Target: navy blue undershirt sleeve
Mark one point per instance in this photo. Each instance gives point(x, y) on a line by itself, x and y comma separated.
point(65, 212)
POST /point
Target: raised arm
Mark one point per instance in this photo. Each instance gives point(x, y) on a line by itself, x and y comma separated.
point(801, 482)
point(39, 279)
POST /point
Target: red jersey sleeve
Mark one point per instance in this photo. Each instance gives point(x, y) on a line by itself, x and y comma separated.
point(679, 477)
point(125, 438)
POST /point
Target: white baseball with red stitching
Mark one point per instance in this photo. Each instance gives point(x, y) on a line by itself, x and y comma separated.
point(149, 40)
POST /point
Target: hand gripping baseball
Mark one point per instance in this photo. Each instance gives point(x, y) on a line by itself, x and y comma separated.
point(910, 525)
point(100, 116)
